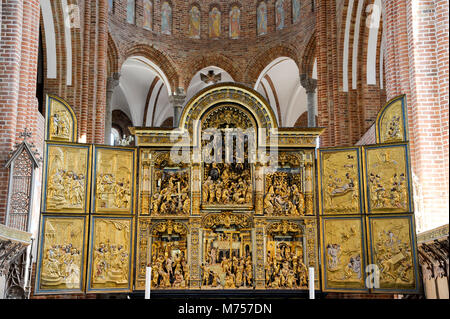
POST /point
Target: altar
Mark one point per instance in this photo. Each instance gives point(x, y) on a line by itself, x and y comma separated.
point(228, 201)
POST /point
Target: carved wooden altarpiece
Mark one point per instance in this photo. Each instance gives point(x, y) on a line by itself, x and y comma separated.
point(228, 201)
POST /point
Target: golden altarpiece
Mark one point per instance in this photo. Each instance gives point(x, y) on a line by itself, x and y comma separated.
point(227, 201)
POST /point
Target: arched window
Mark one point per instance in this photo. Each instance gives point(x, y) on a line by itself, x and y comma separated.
point(115, 136)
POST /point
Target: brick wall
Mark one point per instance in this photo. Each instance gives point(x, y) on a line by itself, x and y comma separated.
point(347, 114)
point(18, 64)
point(417, 38)
point(180, 57)
point(416, 46)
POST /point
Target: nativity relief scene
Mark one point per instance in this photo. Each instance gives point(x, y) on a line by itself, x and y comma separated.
point(63, 254)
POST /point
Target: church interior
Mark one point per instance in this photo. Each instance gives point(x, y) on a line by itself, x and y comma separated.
point(223, 148)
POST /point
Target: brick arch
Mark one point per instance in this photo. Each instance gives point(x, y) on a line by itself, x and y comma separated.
point(262, 60)
point(162, 60)
point(217, 60)
point(308, 57)
point(113, 56)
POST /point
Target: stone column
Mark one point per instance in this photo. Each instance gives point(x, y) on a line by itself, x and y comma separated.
point(113, 82)
point(177, 101)
point(310, 86)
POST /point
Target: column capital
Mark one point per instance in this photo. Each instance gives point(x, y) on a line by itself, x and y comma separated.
point(308, 83)
point(177, 98)
point(113, 81)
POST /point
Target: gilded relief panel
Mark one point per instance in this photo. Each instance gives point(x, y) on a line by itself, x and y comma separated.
point(393, 250)
point(61, 121)
point(343, 254)
point(61, 255)
point(285, 186)
point(111, 249)
point(287, 257)
point(227, 252)
point(114, 176)
point(66, 178)
point(391, 122)
point(171, 193)
point(387, 179)
point(340, 181)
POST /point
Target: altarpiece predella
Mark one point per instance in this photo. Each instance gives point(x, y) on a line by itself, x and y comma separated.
point(227, 201)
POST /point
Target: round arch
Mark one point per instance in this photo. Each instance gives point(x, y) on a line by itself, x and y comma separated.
point(261, 61)
point(228, 92)
point(159, 61)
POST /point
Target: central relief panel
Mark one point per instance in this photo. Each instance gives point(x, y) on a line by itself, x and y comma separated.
point(228, 137)
point(227, 251)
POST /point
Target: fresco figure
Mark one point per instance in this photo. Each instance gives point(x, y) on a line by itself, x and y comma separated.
point(279, 14)
point(194, 23)
point(214, 23)
point(235, 29)
point(262, 18)
point(148, 17)
point(166, 18)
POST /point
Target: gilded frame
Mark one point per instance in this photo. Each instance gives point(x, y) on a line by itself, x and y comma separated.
point(87, 174)
point(41, 245)
point(386, 164)
point(48, 115)
point(95, 171)
point(92, 243)
point(143, 242)
point(350, 153)
point(362, 250)
point(379, 128)
point(409, 219)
